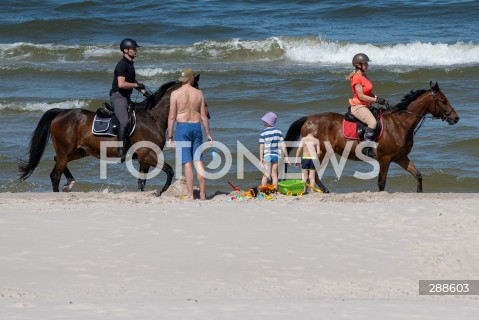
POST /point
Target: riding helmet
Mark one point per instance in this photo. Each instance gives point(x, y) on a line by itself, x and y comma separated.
point(360, 58)
point(128, 43)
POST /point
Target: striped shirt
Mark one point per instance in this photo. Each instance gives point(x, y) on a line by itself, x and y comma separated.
point(271, 138)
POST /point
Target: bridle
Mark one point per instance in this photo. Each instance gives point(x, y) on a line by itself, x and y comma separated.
point(437, 103)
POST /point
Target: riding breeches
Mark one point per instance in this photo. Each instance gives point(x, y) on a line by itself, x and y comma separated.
point(362, 113)
point(120, 105)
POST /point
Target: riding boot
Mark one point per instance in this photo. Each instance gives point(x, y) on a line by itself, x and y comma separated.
point(121, 138)
point(368, 137)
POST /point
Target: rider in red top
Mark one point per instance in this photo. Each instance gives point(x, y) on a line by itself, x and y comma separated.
point(363, 97)
point(367, 87)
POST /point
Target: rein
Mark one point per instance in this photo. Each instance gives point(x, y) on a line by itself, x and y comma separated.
point(421, 122)
point(423, 118)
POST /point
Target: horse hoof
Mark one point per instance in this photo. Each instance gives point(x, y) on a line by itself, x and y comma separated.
point(68, 187)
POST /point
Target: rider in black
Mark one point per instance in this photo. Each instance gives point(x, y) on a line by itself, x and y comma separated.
point(124, 81)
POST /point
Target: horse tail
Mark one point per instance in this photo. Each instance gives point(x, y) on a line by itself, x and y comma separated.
point(294, 130)
point(38, 143)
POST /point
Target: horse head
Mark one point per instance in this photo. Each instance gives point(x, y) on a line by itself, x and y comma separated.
point(196, 85)
point(442, 108)
point(160, 99)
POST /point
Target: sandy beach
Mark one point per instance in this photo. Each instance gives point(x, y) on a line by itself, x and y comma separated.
point(104, 255)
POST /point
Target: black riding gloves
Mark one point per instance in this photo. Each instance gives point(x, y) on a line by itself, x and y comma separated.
point(140, 86)
point(381, 101)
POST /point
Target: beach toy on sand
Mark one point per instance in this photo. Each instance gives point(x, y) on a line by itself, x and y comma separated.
point(290, 187)
point(315, 189)
point(250, 193)
point(294, 187)
point(232, 186)
point(262, 195)
point(268, 189)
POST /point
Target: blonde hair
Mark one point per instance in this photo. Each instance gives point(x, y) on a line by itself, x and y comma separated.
point(351, 74)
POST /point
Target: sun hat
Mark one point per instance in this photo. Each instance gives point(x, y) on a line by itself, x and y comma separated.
point(186, 74)
point(270, 118)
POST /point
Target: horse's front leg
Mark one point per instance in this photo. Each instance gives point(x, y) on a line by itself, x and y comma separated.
point(143, 173)
point(407, 165)
point(383, 174)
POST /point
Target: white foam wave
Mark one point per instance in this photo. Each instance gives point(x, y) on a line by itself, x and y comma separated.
point(95, 51)
point(408, 54)
point(152, 72)
point(237, 44)
point(46, 46)
point(43, 106)
point(307, 49)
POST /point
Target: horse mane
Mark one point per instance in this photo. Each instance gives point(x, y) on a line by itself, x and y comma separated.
point(408, 98)
point(150, 102)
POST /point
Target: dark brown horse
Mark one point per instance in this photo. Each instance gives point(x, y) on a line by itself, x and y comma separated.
point(71, 133)
point(396, 142)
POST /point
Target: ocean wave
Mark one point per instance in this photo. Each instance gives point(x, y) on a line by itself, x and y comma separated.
point(43, 106)
point(404, 54)
point(152, 71)
point(301, 50)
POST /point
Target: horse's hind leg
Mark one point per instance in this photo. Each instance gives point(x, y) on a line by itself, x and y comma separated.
point(407, 165)
point(321, 186)
point(170, 173)
point(67, 187)
point(56, 174)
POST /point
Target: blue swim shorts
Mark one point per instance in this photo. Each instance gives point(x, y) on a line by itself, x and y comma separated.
point(272, 159)
point(192, 134)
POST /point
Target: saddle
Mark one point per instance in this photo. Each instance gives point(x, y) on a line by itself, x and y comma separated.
point(354, 129)
point(106, 123)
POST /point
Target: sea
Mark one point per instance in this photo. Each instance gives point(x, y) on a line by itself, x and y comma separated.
point(288, 57)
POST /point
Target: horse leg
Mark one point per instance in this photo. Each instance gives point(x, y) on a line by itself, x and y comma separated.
point(169, 177)
point(170, 173)
point(57, 172)
point(67, 187)
point(321, 186)
point(143, 171)
point(407, 165)
point(383, 174)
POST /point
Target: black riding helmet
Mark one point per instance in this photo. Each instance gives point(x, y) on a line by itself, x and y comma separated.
point(128, 43)
point(360, 58)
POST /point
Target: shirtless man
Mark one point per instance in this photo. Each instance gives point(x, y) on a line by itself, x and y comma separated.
point(187, 108)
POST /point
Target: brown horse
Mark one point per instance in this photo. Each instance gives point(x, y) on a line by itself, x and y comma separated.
point(396, 142)
point(71, 133)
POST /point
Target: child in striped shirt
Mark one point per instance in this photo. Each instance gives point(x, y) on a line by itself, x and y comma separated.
point(271, 148)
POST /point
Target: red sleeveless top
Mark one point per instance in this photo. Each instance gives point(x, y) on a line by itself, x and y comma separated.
point(367, 89)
